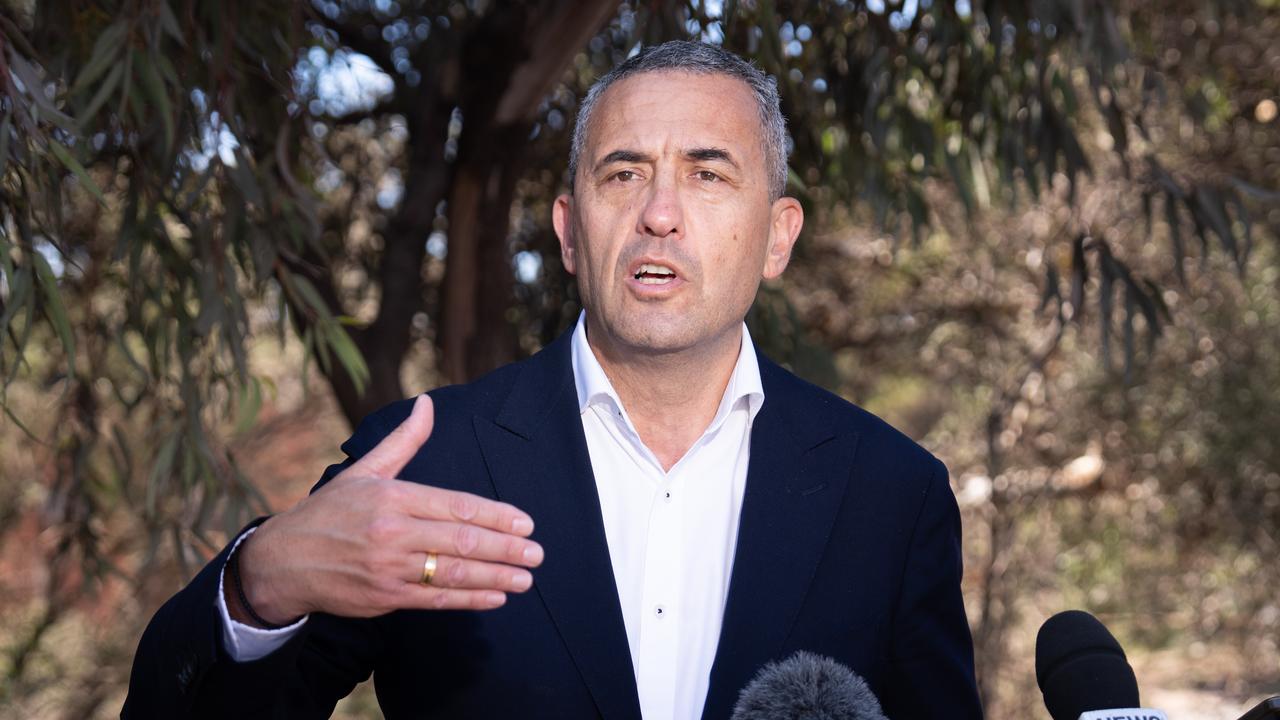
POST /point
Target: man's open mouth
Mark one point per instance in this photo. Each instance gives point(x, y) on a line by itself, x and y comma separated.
point(650, 274)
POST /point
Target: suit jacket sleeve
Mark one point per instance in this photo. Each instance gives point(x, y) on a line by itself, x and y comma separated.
point(182, 669)
point(931, 651)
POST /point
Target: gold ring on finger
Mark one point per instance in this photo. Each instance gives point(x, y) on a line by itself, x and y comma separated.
point(429, 568)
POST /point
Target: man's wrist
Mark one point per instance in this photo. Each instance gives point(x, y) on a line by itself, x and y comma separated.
point(243, 608)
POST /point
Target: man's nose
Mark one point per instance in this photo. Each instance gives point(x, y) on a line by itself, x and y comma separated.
point(662, 214)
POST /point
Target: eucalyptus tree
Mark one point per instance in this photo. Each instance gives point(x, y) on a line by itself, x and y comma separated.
point(179, 177)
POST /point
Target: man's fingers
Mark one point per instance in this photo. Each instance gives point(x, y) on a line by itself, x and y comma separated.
point(394, 452)
point(432, 503)
point(429, 597)
point(454, 572)
point(470, 542)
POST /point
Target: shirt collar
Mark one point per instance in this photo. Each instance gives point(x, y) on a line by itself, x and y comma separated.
point(594, 387)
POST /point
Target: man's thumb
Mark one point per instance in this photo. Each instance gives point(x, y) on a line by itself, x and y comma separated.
point(395, 451)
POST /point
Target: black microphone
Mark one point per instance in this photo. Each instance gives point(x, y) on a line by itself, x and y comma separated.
point(1268, 709)
point(1084, 673)
point(806, 686)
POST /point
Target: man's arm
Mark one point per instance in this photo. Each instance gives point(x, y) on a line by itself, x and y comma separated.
point(351, 551)
point(932, 673)
point(182, 667)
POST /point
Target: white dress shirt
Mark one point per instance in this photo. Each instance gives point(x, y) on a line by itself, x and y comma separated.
point(671, 534)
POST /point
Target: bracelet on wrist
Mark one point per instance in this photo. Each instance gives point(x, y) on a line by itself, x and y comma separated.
point(234, 564)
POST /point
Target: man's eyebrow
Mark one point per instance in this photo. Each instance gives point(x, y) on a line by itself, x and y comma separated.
point(623, 156)
point(710, 153)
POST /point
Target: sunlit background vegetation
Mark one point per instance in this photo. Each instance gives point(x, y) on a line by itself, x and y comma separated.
point(1042, 240)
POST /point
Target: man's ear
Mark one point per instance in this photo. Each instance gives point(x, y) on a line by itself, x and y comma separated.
point(562, 221)
point(786, 219)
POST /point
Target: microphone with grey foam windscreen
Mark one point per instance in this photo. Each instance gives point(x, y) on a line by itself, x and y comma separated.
point(806, 686)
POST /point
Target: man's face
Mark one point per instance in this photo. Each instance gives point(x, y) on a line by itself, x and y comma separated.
point(670, 228)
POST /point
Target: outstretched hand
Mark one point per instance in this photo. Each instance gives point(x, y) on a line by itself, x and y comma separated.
point(357, 546)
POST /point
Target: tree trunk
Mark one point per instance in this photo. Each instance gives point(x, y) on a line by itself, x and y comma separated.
point(385, 342)
point(475, 334)
point(512, 60)
point(508, 64)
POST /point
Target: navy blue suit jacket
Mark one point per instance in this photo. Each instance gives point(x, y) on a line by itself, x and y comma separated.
point(849, 546)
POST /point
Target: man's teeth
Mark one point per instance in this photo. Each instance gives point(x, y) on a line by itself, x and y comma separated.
point(654, 274)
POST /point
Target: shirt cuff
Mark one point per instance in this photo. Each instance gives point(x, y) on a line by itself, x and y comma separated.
point(245, 643)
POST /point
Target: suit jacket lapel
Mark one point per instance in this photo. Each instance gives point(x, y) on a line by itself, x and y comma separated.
point(795, 482)
point(537, 456)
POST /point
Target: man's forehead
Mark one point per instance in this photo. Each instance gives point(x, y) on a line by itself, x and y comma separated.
point(702, 109)
point(673, 77)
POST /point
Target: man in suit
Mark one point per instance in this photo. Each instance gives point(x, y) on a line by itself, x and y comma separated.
point(699, 510)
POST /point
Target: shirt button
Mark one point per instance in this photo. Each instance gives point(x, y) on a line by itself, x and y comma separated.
point(660, 611)
point(667, 497)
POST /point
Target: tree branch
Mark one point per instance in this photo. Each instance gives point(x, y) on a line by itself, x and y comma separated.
point(560, 29)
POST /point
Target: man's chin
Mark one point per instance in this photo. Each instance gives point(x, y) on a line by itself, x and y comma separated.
point(648, 337)
point(656, 340)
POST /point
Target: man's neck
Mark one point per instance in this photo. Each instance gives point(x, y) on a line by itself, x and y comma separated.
point(671, 398)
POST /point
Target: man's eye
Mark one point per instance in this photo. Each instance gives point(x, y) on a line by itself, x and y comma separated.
point(625, 175)
point(708, 176)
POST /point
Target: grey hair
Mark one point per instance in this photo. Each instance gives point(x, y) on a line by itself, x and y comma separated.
point(701, 59)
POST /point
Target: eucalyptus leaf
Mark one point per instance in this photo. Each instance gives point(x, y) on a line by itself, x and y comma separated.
point(1079, 276)
point(169, 22)
point(349, 355)
point(162, 470)
point(5, 132)
point(158, 95)
point(105, 53)
point(20, 281)
point(102, 94)
point(249, 406)
point(1106, 301)
point(74, 166)
point(55, 309)
point(35, 89)
point(309, 294)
